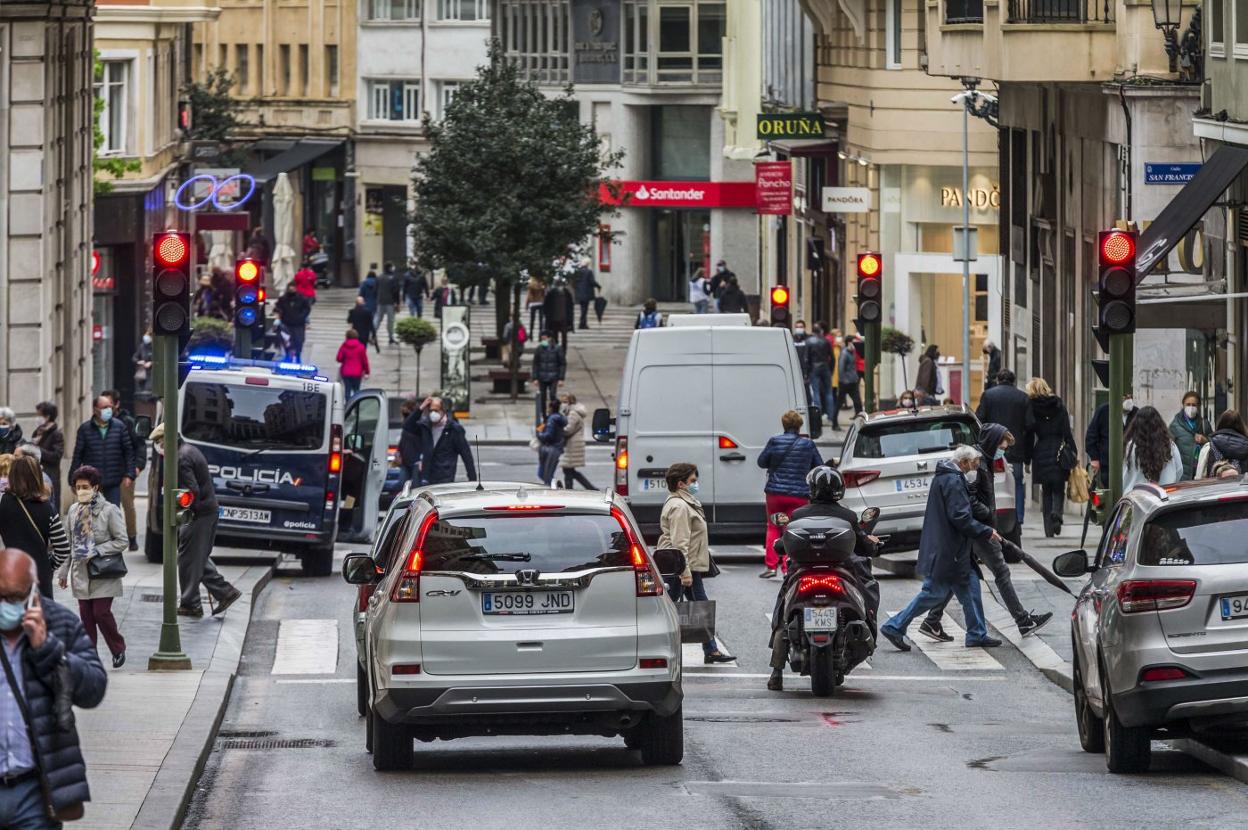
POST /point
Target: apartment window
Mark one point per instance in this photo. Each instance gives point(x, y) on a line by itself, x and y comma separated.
point(305, 75)
point(111, 87)
point(260, 69)
point(712, 25)
point(394, 9)
point(536, 38)
point(636, 42)
point(892, 34)
point(331, 70)
point(1240, 8)
point(283, 69)
point(446, 92)
point(463, 10)
point(394, 100)
point(689, 42)
point(224, 61)
point(1217, 28)
point(244, 76)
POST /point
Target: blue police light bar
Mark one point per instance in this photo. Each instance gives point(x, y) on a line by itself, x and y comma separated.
point(281, 368)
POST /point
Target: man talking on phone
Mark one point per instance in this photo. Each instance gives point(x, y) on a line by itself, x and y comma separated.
point(49, 664)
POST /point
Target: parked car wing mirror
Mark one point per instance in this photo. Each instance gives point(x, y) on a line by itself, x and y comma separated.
point(603, 426)
point(1071, 564)
point(670, 561)
point(359, 569)
point(142, 426)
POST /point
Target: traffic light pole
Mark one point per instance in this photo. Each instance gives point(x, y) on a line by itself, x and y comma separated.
point(1120, 360)
point(871, 338)
point(169, 657)
point(242, 342)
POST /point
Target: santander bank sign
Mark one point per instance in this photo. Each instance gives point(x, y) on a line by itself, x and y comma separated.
point(660, 194)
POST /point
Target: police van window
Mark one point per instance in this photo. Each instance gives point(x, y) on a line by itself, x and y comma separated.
point(255, 417)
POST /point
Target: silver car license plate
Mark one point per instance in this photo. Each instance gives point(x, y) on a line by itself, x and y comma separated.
point(819, 619)
point(905, 485)
point(1235, 607)
point(246, 514)
point(531, 602)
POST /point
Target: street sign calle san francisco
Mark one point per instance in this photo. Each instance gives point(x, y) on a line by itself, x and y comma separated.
point(1157, 172)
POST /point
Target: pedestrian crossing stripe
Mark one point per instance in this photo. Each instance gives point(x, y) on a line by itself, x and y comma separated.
point(306, 647)
point(955, 656)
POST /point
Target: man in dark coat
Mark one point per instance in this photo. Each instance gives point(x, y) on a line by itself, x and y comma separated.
point(945, 558)
point(586, 288)
point(361, 319)
point(293, 309)
point(994, 364)
point(121, 414)
point(820, 356)
point(550, 366)
point(46, 649)
point(415, 290)
point(558, 311)
point(442, 444)
point(368, 289)
point(1009, 406)
point(104, 442)
point(732, 299)
point(1096, 438)
point(388, 297)
point(720, 281)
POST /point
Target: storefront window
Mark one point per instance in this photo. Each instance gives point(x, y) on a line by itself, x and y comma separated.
point(682, 245)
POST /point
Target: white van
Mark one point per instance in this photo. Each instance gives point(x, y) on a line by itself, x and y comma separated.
point(709, 395)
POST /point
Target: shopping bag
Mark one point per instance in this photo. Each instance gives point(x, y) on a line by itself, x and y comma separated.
point(697, 620)
point(1077, 485)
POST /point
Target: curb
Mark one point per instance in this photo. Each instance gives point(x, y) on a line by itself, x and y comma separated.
point(170, 795)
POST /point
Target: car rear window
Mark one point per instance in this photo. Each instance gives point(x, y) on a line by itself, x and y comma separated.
point(913, 437)
point(1211, 534)
point(551, 543)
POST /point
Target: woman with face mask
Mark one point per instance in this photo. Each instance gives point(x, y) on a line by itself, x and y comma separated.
point(96, 528)
point(51, 442)
point(787, 458)
point(30, 522)
point(682, 526)
point(1191, 432)
point(10, 430)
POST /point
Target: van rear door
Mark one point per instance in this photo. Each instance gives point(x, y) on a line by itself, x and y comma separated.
point(365, 442)
point(752, 382)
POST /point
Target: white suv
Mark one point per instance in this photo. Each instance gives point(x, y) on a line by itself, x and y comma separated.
point(520, 610)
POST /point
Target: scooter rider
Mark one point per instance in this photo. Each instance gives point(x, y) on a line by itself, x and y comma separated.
point(826, 490)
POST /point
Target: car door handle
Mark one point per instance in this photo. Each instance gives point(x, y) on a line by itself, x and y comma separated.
point(732, 456)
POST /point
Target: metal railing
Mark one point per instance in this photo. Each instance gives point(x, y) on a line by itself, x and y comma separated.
point(964, 11)
point(1061, 11)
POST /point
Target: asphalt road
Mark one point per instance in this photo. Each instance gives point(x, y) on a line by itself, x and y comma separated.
point(926, 739)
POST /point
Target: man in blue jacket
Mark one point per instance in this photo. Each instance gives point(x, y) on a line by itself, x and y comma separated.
point(104, 442)
point(442, 444)
point(53, 666)
point(945, 558)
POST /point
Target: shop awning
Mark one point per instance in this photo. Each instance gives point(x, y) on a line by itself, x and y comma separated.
point(804, 146)
point(1185, 209)
point(302, 152)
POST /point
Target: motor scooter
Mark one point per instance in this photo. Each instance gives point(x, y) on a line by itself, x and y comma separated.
point(824, 609)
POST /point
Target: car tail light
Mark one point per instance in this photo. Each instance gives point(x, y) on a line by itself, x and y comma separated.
point(998, 465)
point(1137, 595)
point(649, 580)
point(726, 443)
point(857, 478)
point(818, 584)
point(407, 586)
point(392, 455)
point(335, 450)
point(652, 663)
point(621, 465)
point(405, 668)
point(525, 507)
point(1158, 673)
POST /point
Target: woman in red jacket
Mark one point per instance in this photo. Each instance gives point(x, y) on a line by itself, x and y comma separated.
point(305, 281)
point(353, 356)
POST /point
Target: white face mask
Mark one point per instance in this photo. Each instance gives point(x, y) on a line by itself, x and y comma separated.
point(971, 476)
point(1190, 412)
point(435, 417)
point(147, 338)
point(1127, 404)
point(85, 496)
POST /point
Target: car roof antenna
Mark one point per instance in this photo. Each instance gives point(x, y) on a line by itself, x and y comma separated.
point(476, 441)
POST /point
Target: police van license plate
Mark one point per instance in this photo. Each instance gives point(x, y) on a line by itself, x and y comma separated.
point(245, 514)
point(819, 619)
point(530, 602)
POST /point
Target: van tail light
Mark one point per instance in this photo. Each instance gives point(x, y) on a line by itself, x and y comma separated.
point(1159, 673)
point(1135, 595)
point(998, 465)
point(858, 478)
point(407, 586)
point(726, 443)
point(335, 449)
point(820, 584)
point(652, 663)
point(621, 465)
point(649, 580)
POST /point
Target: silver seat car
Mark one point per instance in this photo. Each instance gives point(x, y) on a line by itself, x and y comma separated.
point(516, 610)
point(889, 460)
point(1160, 630)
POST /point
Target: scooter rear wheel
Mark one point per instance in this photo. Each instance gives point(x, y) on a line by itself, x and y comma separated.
point(822, 673)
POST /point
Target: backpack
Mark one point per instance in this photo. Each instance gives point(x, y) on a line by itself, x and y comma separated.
point(649, 320)
point(1215, 455)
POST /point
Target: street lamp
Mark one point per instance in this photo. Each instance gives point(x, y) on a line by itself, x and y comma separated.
point(1167, 15)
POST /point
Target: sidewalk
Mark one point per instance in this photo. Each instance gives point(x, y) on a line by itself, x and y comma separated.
point(145, 744)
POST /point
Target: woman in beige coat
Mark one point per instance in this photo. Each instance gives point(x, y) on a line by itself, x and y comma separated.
point(682, 526)
point(96, 528)
point(574, 443)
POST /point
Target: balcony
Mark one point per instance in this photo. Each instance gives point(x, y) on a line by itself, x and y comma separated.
point(1060, 11)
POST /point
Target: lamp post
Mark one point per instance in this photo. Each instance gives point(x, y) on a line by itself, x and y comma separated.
point(1167, 16)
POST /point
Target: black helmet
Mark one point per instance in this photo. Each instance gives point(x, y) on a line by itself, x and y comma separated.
point(825, 484)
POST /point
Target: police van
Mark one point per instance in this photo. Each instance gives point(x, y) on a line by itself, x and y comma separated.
point(295, 466)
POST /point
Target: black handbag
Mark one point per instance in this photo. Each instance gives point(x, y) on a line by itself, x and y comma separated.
point(1067, 459)
point(108, 566)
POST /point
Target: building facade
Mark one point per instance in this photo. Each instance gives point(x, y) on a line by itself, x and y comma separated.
point(45, 207)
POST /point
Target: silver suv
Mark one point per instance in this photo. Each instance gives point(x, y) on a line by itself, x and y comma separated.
point(890, 458)
point(519, 610)
point(1160, 631)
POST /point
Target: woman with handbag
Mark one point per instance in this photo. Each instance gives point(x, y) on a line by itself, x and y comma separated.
point(682, 526)
point(1051, 452)
point(97, 532)
point(30, 522)
point(787, 458)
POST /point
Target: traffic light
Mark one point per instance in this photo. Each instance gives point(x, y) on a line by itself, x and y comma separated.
point(183, 501)
point(248, 294)
point(171, 283)
point(870, 288)
point(1097, 504)
point(780, 306)
point(1115, 283)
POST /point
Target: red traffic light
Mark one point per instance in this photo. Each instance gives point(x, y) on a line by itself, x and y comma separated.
point(171, 249)
point(247, 270)
point(869, 265)
point(185, 499)
point(260, 295)
point(95, 263)
point(780, 295)
point(1117, 247)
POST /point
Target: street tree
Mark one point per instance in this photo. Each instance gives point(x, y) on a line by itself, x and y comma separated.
point(511, 178)
point(214, 111)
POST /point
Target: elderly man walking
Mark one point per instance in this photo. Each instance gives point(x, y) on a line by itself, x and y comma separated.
point(945, 559)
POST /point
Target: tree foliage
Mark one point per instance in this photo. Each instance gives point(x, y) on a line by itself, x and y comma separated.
point(214, 112)
point(115, 166)
point(895, 342)
point(511, 178)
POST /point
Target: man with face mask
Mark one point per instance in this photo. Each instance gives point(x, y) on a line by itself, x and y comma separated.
point(442, 444)
point(49, 664)
point(105, 443)
point(10, 430)
point(1096, 439)
point(549, 368)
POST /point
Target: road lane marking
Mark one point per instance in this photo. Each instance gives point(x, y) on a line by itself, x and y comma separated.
point(306, 647)
point(926, 678)
point(1040, 653)
point(308, 681)
point(954, 656)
